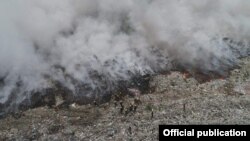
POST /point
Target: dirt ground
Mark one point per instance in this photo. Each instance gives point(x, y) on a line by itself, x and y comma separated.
point(175, 100)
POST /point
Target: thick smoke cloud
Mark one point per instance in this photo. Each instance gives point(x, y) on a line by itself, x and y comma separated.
point(68, 41)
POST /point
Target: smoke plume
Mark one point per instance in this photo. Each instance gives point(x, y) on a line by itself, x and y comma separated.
point(88, 46)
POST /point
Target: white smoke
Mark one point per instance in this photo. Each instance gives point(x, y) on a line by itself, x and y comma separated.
point(67, 40)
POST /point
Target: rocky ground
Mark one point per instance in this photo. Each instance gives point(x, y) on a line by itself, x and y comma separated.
point(176, 99)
